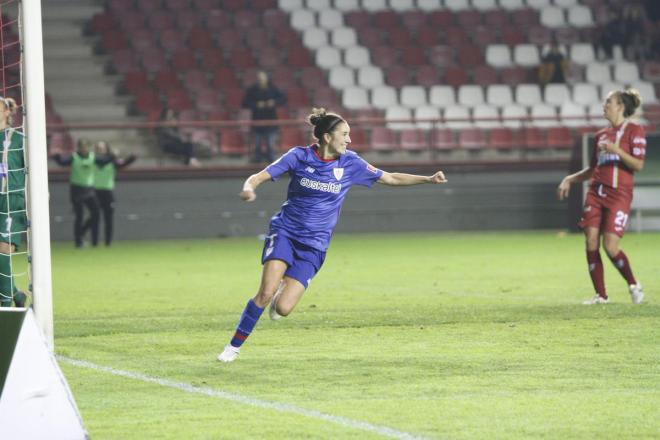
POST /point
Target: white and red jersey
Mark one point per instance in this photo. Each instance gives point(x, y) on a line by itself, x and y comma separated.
point(609, 169)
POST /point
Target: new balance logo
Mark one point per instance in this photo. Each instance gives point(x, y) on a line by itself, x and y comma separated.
point(310, 169)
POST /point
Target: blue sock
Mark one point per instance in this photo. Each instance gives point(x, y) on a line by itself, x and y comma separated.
point(245, 326)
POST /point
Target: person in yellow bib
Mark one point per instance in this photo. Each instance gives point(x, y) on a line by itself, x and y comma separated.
point(83, 165)
point(13, 217)
point(104, 185)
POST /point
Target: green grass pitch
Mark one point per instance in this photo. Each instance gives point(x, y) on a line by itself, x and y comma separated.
point(449, 335)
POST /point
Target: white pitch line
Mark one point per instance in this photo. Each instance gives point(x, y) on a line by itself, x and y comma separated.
point(238, 398)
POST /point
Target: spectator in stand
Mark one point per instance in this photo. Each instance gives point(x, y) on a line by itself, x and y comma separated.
point(636, 43)
point(612, 34)
point(104, 184)
point(171, 140)
point(83, 164)
point(554, 66)
point(262, 99)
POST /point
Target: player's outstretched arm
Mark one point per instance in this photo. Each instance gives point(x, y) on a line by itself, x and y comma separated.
point(249, 187)
point(402, 179)
point(564, 187)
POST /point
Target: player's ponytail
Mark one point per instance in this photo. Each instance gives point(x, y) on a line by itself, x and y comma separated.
point(323, 121)
point(10, 104)
point(631, 101)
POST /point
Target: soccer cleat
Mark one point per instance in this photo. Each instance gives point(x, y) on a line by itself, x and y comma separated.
point(229, 354)
point(597, 299)
point(636, 293)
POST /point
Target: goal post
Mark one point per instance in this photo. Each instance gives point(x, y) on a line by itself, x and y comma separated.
point(37, 166)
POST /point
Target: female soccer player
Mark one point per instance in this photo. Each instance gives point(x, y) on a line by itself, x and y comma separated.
point(619, 151)
point(321, 175)
point(13, 219)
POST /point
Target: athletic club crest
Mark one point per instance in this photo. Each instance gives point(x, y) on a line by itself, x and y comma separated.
point(338, 172)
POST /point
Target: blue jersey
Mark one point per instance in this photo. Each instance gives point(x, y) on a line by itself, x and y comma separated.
point(316, 192)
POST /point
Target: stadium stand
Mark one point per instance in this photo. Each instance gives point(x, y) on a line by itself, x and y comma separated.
point(470, 65)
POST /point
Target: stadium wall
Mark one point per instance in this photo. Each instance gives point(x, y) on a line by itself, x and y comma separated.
point(210, 207)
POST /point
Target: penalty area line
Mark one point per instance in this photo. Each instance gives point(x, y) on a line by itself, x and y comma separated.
point(245, 400)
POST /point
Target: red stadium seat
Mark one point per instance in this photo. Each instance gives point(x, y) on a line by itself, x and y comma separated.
point(468, 18)
point(496, 19)
point(326, 97)
point(233, 98)
point(166, 80)
point(471, 138)
point(161, 20)
point(414, 139)
point(427, 76)
point(443, 139)
point(125, 61)
point(524, 18)
point(183, 60)
point(567, 35)
point(386, 19)
point(247, 20)
point(103, 22)
point(399, 37)
point(371, 37)
point(413, 19)
point(274, 19)
point(177, 5)
point(257, 38)
point(397, 76)
point(216, 19)
point(560, 137)
point(147, 101)
point(232, 5)
point(135, 81)
point(383, 139)
point(358, 20)
point(485, 75)
point(144, 40)
point(264, 5)
point(178, 100)
point(218, 114)
point(171, 40)
point(441, 19)
point(470, 56)
point(413, 56)
point(512, 36)
point(230, 38)
point(211, 58)
point(200, 39)
point(270, 57)
point(132, 22)
point(149, 6)
point(535, 138)
point(312, 78)
point(300, 57)
point(297, 97)
point(114, 41)
point(287, 37)
point(196, 80)
point(504, 138)
point(427, 36)
point(207, 101)
point(456, 37)
point(242, 59)
point(385, 55)
point(514, 76)
point(455, 76)
point(482, 36)
point(233, 142)
point(441, 56)
point(539, 35)
point(293, 137)
point(154, 61)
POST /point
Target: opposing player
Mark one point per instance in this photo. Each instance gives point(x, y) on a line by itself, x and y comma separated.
point(13, 219)
point(321, 175)
point(619, 152)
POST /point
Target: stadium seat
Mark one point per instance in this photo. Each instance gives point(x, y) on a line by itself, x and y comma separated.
point(414, 139)
point(457, 5)
point(359, 140)
point(274, 19)
point(526, 55)
point(556, 94)
point(484, 5)
point(513, 36)
point(399, 37)
point(468, 18)
point(442, 96)
point(582, 53)
point(147, 101)
point(496, 18)
point(498, 55)
point(585, 94)
point(499, 95)
point(346, 5)
point(428, 5)
point(441, 56)
point(538, 4)
point(370, 76)
point(302, 19)
point(552, 17)
point(511, 4)
point(455, 76)
point(166, 80)
point(486, 116)
point(580, 16)
point(443, 139)
point(233, 143)
point(426, 112)
point(356, 56)
point(472, 139)
point(292, 137)
point(514, 75)
point(383, 139)
point(413, 96)
point(626, 72)
point(595, 113)
point(543, 115)
point(207, 102)
point(567, 35)
point(196, 80)
point(470, 95)
point(540, 35)
point(328, 56)
point(535, 138)
point(485, 75)
point(413, 19)
point(385, 55)
point(427, 76)
point(560, 137)
point(383, 19)
point(317, 5)
point(331, 19)
point(504, 138)
point(457, 117)
point(383, 97)
point(565, 3)
point(598, 73)
point(343, 37)
point(398, 112)
point(398, 76)
point(608, 87)
point(135, 81)
point(413, 56)
point(524, 18)
point(651, 71)
point(315, 37)
point(573, 115)
point(528, 94)
point(646, 90)
point(224, 78)
point(355, 97)
point(341, 76)
point(514, 116)
point(401, 5)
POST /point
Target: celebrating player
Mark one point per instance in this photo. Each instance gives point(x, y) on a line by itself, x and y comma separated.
point(13, 219)
point(619, 151)
point(321, 175)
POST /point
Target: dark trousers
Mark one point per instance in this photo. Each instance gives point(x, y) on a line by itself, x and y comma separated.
point(263, 145)
point(81, 198)
point(106, 201)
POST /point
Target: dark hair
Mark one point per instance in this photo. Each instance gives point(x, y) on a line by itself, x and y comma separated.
point(323, 121)
point(631, 101)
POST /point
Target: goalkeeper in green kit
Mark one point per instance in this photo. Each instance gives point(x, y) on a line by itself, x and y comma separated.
point(13, 218)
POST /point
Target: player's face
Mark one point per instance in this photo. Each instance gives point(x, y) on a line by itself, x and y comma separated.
point(340, 138)
point(612, 109)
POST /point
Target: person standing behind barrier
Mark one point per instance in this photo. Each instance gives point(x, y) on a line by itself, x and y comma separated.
point(619, 152)
point(83, 164)
point(13, 218)
point(262, 99)
point(104, 185)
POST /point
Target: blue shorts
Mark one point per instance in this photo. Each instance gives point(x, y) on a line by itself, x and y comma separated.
point(303, 261)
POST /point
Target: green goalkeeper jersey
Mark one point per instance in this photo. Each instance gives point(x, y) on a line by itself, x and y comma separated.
point(12, 171)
